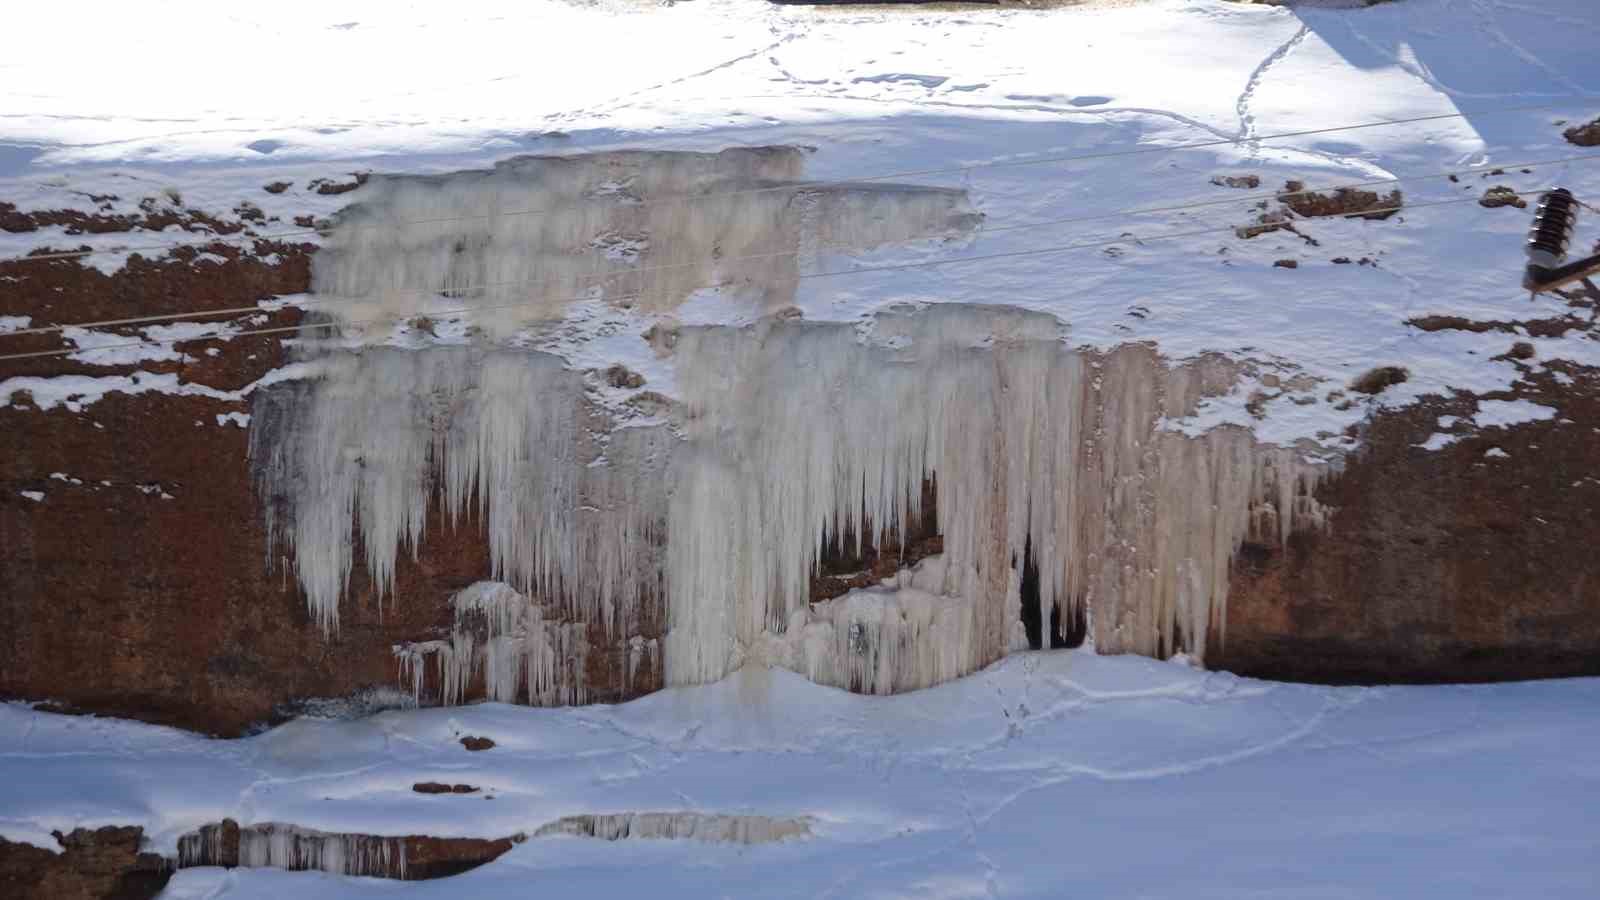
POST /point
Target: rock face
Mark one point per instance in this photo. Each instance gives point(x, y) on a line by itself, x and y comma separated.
point(1457, 564)
point(407, 858)
point(102, 864)
point(139, 584)
point(143, 588)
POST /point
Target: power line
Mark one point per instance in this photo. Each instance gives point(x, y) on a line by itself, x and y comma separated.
point(910, 173)
point(1241, 198)
point(1013, 254)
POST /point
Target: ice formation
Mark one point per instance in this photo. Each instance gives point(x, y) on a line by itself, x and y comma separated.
point(505, 435)
point(798, 431)
point(905, 634)
point(291, 847)
point(718, 827)
point(789, 434)
point(644, 229)
point(521, 654)
point(793, 432)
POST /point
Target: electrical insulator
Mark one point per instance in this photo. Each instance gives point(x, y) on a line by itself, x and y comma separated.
point(1553, 224)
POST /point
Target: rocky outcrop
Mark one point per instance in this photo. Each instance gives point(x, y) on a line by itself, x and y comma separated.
point(93, 864)
point(275, 845)
point(1452, 564)
point(1584, 135)
point(140, 584)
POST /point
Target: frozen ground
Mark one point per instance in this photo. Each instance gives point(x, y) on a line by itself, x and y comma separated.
point(914, 94)
point(1048, 774)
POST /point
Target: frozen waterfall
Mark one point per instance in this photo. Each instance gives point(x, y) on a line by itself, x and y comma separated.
point(782, 435)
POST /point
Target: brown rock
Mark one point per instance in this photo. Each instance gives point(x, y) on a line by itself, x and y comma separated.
point(477, 743)
point(327, 186)
point(1342, 202)
point(192, 626)
point(1432, 568)
point(1500, 195)
point(620, 376)
point(1379, 379)
point(1250, 231)
point(412, 857)
point(435, 787)
point(1554, 327)
point(1237, 181)
point(100, 864)
point(278, 187)
point(1584, 135)
point(153, 218)
point(1286, 264)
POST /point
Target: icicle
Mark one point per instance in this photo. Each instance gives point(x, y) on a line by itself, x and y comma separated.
point(503, 634)
point(384, 434)
point(299, 849)
point(716, 827)
point(798, 431)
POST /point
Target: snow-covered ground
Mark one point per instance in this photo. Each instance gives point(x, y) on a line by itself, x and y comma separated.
point(1048, 775)
point(933, 97)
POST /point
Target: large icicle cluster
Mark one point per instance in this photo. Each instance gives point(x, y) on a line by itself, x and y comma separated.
point(521, 654)
point(798, 431)
point(570, 510)
point(642, 228)
point(789, 434)
point(793, 432)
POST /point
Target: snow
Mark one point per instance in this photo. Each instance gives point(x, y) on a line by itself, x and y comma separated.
point(1504, 413)
point(1030, 775)
point(1490, 414)
point(35, 496)
point(106, 348)
point(878, 92)
point(76, 392)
